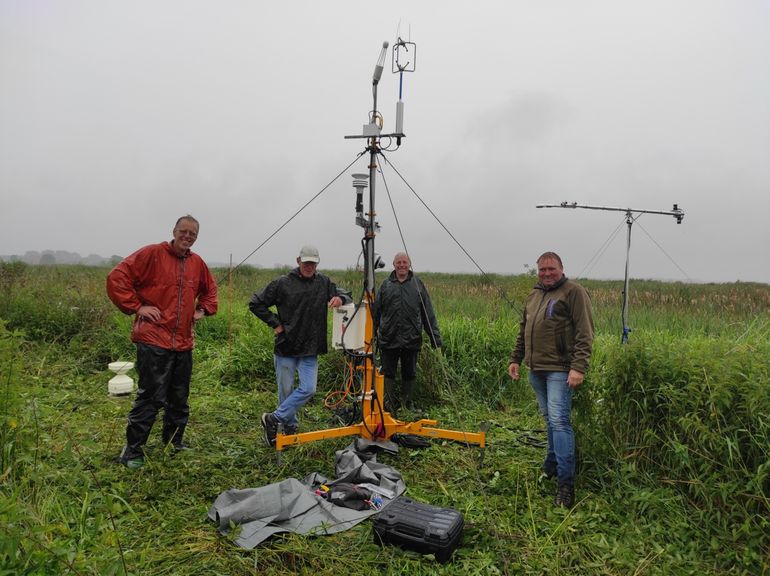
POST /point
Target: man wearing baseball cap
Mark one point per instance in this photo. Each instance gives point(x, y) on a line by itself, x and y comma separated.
point(301, 299)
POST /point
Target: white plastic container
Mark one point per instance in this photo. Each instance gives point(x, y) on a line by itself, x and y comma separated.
point(349, 327)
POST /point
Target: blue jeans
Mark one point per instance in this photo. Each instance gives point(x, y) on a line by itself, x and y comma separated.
point(554, 399)
point(291, 399)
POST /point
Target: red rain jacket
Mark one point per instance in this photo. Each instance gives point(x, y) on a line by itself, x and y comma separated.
point(156, 276)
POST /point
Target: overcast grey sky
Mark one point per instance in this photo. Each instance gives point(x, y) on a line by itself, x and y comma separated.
point(117, 117)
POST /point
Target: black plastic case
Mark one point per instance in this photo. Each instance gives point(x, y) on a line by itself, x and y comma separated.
point(421, 527)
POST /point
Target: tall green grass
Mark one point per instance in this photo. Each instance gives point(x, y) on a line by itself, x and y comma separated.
point(693, 414)
point(673, 437)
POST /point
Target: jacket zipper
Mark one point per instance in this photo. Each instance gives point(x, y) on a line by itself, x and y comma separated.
point(532, 327)
point(178, 303)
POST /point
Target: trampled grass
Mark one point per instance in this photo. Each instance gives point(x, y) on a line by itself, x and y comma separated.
point(673, 436)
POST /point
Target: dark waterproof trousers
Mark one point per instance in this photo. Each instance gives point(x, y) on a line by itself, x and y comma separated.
point(164, 382)
point(398, 396)
point(390, 357)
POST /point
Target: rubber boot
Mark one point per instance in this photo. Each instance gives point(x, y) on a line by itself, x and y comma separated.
point(407, 391)
point(390, 395)
point(173, 434)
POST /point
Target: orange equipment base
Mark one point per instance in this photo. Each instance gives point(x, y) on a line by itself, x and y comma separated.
point(378, 424)
point(376, 427)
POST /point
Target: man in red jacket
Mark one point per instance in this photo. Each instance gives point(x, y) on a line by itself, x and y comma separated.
point(168, 288)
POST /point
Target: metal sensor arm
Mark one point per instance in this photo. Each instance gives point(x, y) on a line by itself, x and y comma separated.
point(676, 212)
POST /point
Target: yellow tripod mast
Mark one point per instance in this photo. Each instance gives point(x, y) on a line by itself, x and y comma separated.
point(376, 423)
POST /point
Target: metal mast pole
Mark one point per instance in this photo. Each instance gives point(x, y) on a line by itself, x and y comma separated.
point(624, 315)
point(369, 260)
point(676, 212)
point(371, 224)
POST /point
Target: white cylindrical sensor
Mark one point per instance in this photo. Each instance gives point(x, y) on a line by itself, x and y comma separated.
point(400, 117)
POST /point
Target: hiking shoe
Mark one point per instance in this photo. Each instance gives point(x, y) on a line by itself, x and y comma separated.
point(290, 430)
point(132, 463)
point(136, 462)
point(565, 496)
point(269, 428)
point(181, 447)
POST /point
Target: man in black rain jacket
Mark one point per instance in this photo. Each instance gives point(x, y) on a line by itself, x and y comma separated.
point(402, 311)
point(301, 298)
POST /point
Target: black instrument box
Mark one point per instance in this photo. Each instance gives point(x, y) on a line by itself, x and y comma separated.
point(421, 527)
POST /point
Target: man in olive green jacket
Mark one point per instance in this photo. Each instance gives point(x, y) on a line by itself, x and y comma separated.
point(555, 342)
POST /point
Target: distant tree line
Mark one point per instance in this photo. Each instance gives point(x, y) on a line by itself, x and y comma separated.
point(53, 257)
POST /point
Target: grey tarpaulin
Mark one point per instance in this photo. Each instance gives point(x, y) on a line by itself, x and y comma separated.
point(293, 506)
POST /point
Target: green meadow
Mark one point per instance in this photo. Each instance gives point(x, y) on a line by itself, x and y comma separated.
point(673, 436)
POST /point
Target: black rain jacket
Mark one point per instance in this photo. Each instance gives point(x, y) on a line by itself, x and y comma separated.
point(301, 308)
point(402, 310)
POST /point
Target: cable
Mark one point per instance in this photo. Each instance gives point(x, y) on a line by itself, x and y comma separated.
point(343, 393)
point(533, 437)
point(354, 359)
point(390, 143)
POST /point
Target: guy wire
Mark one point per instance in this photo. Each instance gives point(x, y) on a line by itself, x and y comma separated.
point(602, 249)
point(441, 360)
point(664, 252)
point(282, 226)
point(456, 241)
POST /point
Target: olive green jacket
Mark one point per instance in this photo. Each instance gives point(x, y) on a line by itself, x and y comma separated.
point(557, 329)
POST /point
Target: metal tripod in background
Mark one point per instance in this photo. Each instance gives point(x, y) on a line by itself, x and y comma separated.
point(631, 215)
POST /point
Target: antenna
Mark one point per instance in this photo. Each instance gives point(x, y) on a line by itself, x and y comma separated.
point(676, 212)
point(376, 422)
point(404, 60)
